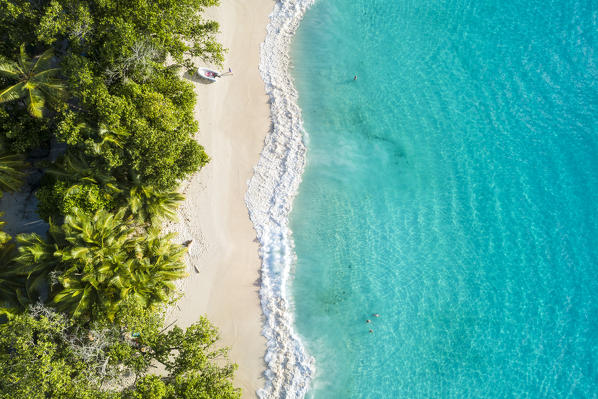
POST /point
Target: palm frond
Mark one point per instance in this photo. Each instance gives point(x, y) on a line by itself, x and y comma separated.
point(35, 103)
point(47, 75)
point(11, 171)
point(37, 81)
point(42, 61)
point(34, 286)
point(13, 92)
point(10, 69)
point(23, 58)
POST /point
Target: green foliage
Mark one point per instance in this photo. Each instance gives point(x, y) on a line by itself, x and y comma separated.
point(21, 133)
point(10, 282)
point(153, 122)
point(130, 134)
point(195, 368)
point(65, 19)
point(161, 134)
point(76, 182)
point(194, 371)
point(11, 171)
point(70, 129)
point(23, 277)
point(60, 198)
point(134, 116)
point(36, 82)
point(110, 29)
point(148, 205)
point(43, 354)
point(30, 270)
point(78, 167)
point(151, 387)
point(18, 19)
point(37, 361)
point(98, 262)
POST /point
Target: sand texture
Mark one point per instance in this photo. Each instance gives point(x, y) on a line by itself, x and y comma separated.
point(223, 260)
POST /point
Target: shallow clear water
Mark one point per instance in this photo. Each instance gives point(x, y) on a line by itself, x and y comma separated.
point(452, 189)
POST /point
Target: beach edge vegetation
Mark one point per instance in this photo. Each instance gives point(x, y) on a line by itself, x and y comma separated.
point(82, 307)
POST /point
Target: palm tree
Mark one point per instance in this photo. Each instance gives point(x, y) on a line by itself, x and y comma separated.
point(36, 83)
point(109, 136)
point(11, 171)
point(77, 170)
point(105, 262)
point(11, 285)
point(102, 138)
point(25, 282)
point(153, 274)
point(32, 268)
point(97, 249)
point(148, 205)
point(21, 284)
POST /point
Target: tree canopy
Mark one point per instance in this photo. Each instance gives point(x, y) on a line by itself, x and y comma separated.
point(94, 264)
point(12, 171)
point(92, 94)
point(110, 57)
point(45, 355)
point(34, 81)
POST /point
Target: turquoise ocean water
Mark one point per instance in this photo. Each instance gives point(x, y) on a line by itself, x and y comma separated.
point(452, 189)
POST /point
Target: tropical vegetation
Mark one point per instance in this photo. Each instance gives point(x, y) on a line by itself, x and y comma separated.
point(92, 97)
point(93, 264)
point(44, 354)
point(34, 83)
point(12, 171)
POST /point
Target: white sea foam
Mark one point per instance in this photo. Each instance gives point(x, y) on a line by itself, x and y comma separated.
point(269, 200)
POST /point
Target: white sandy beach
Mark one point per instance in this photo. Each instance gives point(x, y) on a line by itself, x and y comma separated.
point(233, 115)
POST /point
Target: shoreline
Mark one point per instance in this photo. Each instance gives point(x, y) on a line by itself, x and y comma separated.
point(269, 199)
point(258, 158)
point(222, 261)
